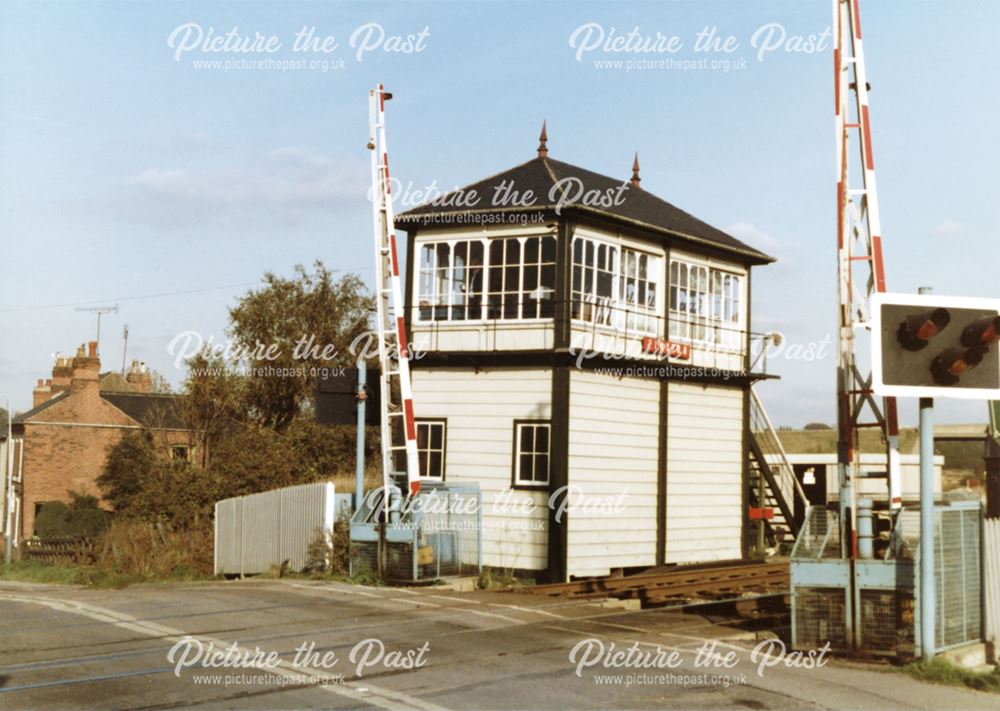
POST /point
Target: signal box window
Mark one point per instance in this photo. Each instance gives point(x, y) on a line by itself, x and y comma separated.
point(532, 441)
point(430, 448)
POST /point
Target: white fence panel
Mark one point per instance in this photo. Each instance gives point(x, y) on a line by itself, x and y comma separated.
point(991, 574)
point(258, 531)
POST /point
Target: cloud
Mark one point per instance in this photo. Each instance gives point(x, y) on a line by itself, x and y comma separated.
point(948, 228)
point(290, 177)
point(754, 236)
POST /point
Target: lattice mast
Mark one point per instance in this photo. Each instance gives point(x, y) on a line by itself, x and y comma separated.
point(398, 428)
point(860, 269)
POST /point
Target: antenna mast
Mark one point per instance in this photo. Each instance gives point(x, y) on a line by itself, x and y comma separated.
point(100, 311)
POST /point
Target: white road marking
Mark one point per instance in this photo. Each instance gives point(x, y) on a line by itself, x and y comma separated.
point(375, 696)
point(528, 609)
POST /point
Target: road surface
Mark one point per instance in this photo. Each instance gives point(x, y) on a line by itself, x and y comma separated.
point(307, 644)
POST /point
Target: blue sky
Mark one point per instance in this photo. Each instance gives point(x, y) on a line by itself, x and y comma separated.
point(128, 176)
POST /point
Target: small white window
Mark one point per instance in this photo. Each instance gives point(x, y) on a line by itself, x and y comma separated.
point(430, 448)
point(531, 453)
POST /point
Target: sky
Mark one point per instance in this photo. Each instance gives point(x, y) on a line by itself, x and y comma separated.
point(137, 168)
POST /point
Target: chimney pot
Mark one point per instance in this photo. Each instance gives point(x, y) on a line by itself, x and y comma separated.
point(92, 351)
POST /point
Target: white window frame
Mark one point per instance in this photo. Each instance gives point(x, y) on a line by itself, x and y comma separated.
point(615, 311)
point(519, 425)
point(706, 305)
point(424, 454)
point(428, 274)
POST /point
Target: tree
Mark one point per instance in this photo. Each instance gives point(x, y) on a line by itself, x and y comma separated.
point(818, 426)
point(215, 400)
point(307, 322)
point(159, 384)
point(128, 466)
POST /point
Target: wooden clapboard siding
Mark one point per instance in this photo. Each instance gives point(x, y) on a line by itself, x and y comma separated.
point(613, 449)
point(484, 336)
point(704, 473)
point(481, 408)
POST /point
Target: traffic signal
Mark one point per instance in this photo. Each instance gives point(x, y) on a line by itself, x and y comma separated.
point(336, 396)
point(935, 346)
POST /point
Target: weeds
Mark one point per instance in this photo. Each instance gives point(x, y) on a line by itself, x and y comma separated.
point(499, 578)
point(941, 671)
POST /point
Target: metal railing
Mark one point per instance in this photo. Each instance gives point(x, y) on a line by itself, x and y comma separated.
point(770, 444)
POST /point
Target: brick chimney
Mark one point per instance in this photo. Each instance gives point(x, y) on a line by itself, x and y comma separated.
point(62, 373)
point(86, 372)
point(41, 393)
point(139, 377)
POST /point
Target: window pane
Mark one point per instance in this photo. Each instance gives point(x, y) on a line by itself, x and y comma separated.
point(541, 473)
point(437, 436)
point(421, 435)
point(513, 251)
point(530, 277)
point(526, 438)
point(530, 250)
point(511, 278)
point(435, 466)
point(510, 306)
point(548, 278)
point(542, 438)
point(527, 471)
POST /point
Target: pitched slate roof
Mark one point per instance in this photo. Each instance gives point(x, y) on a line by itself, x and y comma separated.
point(548, 180)
point(25, 416)
point(151, 410)
point(112, 382)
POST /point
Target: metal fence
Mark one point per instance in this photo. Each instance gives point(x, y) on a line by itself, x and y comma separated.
point(822, 604)
point(256, 532)
point(878, 599)
point(436, 534)
point(991, 579)
point(957, 571)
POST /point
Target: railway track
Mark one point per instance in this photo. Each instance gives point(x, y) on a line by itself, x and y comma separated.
point(682, 583)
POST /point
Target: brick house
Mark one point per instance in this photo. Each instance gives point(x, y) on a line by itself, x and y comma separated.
point(61, 444)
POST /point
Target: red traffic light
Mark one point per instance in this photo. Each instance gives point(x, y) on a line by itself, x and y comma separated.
point(918, 329)
point(953, 362)
point(982, 332)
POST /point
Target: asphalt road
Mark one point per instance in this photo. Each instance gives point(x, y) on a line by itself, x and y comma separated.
point(143, 647)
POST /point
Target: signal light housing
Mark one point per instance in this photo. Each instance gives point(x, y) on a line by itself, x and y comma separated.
point(982, 332)
point(951, 364)
point(917, 330)
point(935, 346)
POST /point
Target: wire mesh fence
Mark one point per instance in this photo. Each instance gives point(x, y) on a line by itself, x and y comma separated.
point(435, 534)
point(819, 537)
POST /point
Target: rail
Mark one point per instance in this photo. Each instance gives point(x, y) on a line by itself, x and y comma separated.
point(680, 582)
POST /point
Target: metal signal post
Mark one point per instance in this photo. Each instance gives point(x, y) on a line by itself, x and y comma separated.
point(861, 271)
point(398, 427)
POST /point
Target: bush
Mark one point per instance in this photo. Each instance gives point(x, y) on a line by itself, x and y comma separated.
point(331, 554)
point(81, 518)
point(817, 426)
point(156, 550)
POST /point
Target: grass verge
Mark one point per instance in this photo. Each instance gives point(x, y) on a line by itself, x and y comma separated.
point(941, 671)
point(33, 571)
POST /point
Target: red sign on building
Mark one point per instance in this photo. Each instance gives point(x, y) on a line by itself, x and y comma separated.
point(663, 347)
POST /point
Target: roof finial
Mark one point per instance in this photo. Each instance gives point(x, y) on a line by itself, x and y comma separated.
point(635, 172)
point(543, 150)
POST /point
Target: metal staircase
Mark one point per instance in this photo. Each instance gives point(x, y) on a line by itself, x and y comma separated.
point(773, 484)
